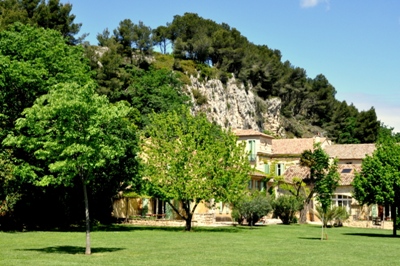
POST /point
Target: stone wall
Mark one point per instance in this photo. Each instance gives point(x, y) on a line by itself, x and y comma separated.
point(369, 224)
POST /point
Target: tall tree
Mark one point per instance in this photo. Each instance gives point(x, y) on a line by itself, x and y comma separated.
point(124, 34)
point(31, 61)
point(379, 179)
point(50, 14)
point(188, 159)
point(323, 178)
point(142, 38)
point(161, 36)
point(74, 132)
point(368, 126)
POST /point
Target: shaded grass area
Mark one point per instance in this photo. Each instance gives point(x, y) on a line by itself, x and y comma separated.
point(142, 245)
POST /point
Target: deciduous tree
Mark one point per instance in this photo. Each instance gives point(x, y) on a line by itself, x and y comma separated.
point(323, 178)
point(379, 179)
point(74, 132)
point(188, 159)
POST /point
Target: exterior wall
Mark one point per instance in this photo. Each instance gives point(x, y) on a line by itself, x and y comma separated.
point(127, 207)
point(133, 208)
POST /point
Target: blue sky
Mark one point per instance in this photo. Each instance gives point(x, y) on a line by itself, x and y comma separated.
point(354, 43)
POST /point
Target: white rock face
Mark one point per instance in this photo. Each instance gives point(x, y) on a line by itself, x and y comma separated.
point(233, 106)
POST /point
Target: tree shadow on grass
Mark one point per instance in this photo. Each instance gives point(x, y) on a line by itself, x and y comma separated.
point(132, 228)
point(371, 235)
point(70, 250)
point(310, 238)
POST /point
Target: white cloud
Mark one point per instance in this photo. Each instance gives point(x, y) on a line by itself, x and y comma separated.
point(309, 3)
point(313, 3)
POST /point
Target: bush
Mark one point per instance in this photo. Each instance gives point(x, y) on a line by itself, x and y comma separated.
point(199, 97)
point(334, 216)
point(252, 207)
point(285, 208)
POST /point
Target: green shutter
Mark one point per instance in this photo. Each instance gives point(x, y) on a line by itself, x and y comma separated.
point(266, 168)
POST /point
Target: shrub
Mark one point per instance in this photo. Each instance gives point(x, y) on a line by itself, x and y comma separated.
point(285, 208)
point(252, 207)
point(334, 216)
point(199, 97)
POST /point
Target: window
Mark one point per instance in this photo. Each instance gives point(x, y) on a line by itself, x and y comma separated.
point(342, 201)
point(346, 170)
point(252, 150)
point(279, 169)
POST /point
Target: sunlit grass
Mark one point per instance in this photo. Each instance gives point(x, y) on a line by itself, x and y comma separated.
point(269, 245)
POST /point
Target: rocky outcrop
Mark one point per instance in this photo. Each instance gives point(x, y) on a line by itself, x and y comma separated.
point(232, 105)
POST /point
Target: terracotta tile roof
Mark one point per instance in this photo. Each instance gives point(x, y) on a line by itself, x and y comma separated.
point(350, 151)
point(303, 172)
point(296, 171)
point(250, 132)
point(348, 175)
point(292, 146)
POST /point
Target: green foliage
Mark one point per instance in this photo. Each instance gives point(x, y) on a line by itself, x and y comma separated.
point(379, 179)
point(160, 37)
point(73, 129)
point(49, 14)
point(188, 159)
point(133, 36)
point(9, 194)
point(199, 97)
point(303, 98)
point(75, 133)
point(154, 91)
point(31, 61)
point(286, 206)
point(324, 177)
point(333, 216)
point(163, 61)
point(252, 207)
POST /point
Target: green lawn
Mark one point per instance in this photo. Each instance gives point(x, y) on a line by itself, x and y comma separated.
point(269, 245)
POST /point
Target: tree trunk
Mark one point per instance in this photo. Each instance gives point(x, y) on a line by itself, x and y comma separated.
point(189, 213)
point(303, 212)
point(188, 220)
point(88, 250)
point(394, 218)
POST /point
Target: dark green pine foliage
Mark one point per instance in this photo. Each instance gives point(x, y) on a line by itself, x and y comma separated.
point(50, 14)
point(309, 106)
point(303, 99)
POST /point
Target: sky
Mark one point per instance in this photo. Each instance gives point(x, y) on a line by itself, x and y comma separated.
point(355, 44)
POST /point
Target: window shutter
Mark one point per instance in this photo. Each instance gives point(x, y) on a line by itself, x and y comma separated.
point(266, 168)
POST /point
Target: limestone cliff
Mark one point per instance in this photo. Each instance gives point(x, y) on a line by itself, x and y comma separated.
point(232, 105)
